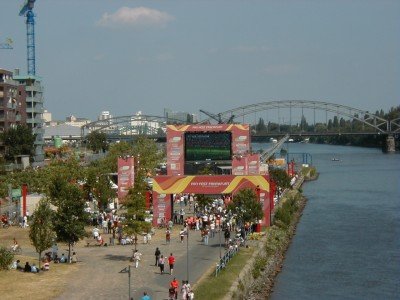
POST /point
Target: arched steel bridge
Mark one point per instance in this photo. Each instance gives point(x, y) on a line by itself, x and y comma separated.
point(154, 126)
point(379, 124)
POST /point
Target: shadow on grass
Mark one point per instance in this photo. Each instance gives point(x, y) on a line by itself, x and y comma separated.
point(117, 257)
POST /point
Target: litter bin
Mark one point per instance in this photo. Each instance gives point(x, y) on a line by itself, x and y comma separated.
point(258, 227)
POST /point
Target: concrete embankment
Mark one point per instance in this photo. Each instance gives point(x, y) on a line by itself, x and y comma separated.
point(257, 278)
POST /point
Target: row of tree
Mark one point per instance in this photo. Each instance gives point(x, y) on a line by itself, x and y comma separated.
point(67, 222)
point(332, 125)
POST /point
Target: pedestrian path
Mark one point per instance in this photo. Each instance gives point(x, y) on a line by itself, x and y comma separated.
point(99, 278)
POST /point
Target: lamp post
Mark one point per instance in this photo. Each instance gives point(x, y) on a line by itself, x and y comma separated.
point(187, 252)
point(220, 254)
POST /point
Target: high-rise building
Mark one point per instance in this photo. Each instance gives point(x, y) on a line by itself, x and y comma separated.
point(179, 117)
point(34, 110)
point(12, 101)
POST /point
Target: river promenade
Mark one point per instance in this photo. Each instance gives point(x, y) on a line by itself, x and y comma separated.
point(98, 276)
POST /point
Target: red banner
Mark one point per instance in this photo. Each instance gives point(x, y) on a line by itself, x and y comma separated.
point(239, 166)
point(161, 208)
point(175, 150)
point(253, 162)
point(126, 175)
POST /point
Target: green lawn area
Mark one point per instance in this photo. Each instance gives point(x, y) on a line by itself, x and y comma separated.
point(212, 287)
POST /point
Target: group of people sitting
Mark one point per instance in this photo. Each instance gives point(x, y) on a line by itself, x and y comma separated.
point(49, 256)
point(16, 265)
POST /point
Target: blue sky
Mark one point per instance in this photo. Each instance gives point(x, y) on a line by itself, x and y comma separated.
point(127, 55)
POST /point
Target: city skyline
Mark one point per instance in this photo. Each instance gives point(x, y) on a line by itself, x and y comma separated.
point(126, 56)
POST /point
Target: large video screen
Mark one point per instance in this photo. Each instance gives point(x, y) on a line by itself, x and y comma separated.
point(200, 146)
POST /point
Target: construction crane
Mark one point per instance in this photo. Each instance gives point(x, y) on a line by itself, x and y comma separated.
point(218, 117)
point(27, 11)
point(7, 44)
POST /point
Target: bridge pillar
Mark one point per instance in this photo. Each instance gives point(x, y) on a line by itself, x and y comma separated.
point(390, 144)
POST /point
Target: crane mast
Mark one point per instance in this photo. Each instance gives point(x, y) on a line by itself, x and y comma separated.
point(27, 11)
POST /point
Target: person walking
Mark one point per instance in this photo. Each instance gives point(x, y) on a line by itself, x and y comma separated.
point(54, 250)
point(205, 236)
point(182, 234)
point(145, 296)
point(184, 290)
point(157, 254)
point(136, 258)
point(168, 236)
point(161, 263)
point(171, 262)
point(174, 285)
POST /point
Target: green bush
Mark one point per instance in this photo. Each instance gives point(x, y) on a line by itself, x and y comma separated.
point(259, 266)
point(6, 258)
point(283, 215)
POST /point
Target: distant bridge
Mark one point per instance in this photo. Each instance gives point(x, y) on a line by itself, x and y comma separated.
point(127, 127)
point(376, 123)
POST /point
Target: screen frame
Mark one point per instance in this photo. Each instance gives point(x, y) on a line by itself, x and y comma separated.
point(214, 133)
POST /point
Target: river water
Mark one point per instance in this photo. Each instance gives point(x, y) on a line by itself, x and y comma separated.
point(347, 243)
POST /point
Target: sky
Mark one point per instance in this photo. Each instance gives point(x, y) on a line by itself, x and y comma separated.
point(125, 56)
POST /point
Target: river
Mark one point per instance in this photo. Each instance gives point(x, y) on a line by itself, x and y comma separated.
point(347, 243)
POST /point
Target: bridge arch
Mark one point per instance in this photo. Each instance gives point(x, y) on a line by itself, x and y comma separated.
point(127, 126)
point(379, 124)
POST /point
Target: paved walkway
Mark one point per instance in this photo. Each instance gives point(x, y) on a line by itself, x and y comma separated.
point(99, 277)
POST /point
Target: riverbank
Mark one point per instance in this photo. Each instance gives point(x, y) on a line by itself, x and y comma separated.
point(263, 262)
point(269, 263)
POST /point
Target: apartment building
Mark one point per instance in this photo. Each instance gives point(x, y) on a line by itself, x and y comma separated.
point(34, 110)
point(12, 101)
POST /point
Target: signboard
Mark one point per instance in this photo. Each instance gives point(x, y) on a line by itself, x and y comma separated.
point(239, 165)
point(240, 142)
point(163, 186)
point(253, 163)
point(161, 208)
point(206, 184)
point(16, 194)
point(126, 175)
point(175, 154)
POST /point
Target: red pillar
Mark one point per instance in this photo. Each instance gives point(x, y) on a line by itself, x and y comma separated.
point(24, 193)
point(272, 190)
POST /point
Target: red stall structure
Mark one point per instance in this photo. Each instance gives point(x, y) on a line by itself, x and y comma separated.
point(165, 186)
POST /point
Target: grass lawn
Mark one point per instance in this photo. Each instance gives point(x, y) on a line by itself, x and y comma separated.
point(211, 287)
point(20, 285)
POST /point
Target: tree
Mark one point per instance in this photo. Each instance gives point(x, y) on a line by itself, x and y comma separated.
point(18, 141)
point(6, 258)
point(102, 191)
point(260, 127)
point(246, 207)
point(280, 177)
point(109, 163)
point(70, 218)
point(41, 231)
point(135, 202)
point(145, 150)
point(203, 201)
point(97, 141)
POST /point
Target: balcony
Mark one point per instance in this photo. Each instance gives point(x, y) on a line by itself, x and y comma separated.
point(37, 109)
point(35, 99)
point(36, 120)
